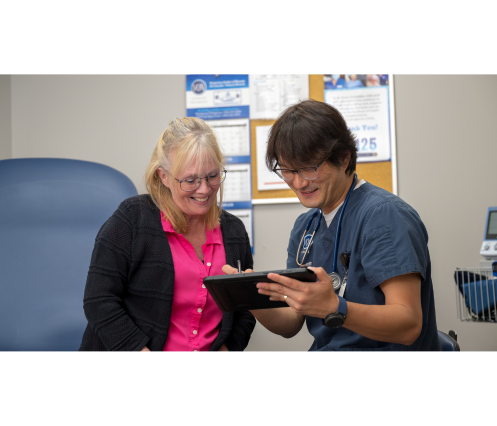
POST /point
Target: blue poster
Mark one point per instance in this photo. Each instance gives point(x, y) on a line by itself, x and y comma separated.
point(217, 97)
point(223, 102)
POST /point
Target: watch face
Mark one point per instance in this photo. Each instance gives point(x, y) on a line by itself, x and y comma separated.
point(334, 321)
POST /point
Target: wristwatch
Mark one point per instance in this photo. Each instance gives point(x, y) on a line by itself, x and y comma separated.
point(337, 318)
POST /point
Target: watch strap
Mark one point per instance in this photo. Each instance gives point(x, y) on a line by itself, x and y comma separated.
point(342, 306)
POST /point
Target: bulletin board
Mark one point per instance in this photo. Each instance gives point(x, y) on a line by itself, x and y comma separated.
point(382, 174)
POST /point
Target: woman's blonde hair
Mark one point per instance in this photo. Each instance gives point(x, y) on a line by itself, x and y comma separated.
point(190, 140)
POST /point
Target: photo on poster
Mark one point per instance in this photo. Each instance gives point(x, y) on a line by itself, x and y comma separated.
point(363, 100)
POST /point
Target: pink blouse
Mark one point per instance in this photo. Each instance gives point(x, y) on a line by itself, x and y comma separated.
point(195, 318)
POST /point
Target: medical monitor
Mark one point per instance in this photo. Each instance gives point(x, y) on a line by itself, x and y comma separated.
point(489, 246)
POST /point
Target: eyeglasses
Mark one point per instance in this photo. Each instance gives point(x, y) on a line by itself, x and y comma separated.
point(308, 173)
point(213, 179)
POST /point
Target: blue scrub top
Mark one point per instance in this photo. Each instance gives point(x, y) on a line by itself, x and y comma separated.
point(384, 238)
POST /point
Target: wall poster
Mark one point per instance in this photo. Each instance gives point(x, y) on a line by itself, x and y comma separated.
point(363, 100)
point(222, 100)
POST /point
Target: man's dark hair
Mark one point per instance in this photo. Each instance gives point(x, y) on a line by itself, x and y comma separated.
point(308, 132)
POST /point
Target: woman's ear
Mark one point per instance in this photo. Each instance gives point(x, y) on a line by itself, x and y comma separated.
point(163, 177)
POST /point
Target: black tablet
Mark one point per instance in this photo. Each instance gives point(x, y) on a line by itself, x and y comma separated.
point(238, 292)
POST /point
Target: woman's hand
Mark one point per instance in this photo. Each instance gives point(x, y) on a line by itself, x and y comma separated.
point(229, 270)
point(223, 348)
point(282, 321)
point(145, 349)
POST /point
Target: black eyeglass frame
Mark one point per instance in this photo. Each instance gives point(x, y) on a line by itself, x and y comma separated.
point(200, 179)
point(297, 171)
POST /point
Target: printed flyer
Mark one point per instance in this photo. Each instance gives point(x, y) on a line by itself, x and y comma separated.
point(217, 97)
point(271, 94)
point(363, 100)
point(222, 100)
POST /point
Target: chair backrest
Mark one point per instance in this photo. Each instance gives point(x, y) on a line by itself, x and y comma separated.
point(50, 213)
point(448, 342)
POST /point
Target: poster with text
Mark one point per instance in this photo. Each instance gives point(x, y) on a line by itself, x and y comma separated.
point(266, 179)
point(234, 138)
point(271, 94)
point(363, 100)
point(217, 96)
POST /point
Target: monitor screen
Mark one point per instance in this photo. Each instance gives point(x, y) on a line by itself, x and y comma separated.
point(492, 226)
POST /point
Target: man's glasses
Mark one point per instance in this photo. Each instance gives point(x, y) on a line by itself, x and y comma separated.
point(192, 183)
point(308, 173)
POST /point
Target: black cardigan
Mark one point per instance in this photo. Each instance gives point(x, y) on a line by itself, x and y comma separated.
point(129, 290)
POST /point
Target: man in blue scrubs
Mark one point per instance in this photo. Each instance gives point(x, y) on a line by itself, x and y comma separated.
point(387, 302)
point(335, 82)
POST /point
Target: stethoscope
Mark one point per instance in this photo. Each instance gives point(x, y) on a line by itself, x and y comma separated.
point(334, 275)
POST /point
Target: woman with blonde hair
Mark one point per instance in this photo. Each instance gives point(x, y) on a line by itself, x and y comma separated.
point(145, 283)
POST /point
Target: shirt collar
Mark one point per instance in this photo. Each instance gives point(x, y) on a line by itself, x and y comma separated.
point(214, 236)
point(166, 225)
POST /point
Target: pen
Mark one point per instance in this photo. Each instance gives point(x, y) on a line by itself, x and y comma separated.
point(239, 266)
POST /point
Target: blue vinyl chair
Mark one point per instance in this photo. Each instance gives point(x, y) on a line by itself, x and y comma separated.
point(448, 342)
point(50, 213)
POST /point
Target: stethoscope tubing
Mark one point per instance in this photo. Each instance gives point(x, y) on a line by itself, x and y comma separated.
point(337, 236)
point(309, 222)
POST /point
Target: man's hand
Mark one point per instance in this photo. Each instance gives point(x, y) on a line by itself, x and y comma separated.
point(316, 299)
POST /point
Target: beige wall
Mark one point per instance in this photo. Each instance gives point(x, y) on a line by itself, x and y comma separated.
point(272, 226)
point(114, 120)
point(445, 145)
point(446, 151)
point(5, 118)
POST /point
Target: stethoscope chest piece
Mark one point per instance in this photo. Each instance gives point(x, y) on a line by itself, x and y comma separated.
point(336, 280)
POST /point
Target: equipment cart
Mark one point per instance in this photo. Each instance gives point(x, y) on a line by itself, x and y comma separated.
point(476, 290)
point(476, 287)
